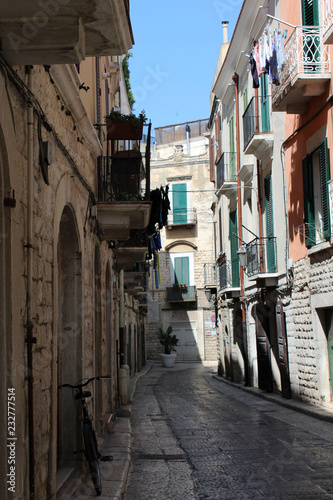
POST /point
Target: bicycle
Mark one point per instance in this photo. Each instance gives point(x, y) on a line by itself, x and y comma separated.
point(89, 437)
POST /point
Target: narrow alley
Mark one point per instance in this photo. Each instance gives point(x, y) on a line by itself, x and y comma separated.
point(195, 437)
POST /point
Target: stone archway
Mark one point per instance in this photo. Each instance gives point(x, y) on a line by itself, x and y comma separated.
point(109, 344)
point(69, 348)
point(98, 348)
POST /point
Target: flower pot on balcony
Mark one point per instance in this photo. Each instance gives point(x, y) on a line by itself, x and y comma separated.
point(124, 130)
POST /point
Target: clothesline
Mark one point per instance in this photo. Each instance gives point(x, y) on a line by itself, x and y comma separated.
point(269, 56)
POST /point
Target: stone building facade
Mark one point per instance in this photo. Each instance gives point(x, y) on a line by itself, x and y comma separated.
point(180, 161)
point(61, 279)
point(271, 164)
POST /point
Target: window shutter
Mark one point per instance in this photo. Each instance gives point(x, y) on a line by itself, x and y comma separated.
point(179, 203)
point(324, 178)
point(233, 228)
point(212, 159)
point(218, 136)
point(232, 148)
point(269, 225)
point(182, 270)
point(310, 12)
point(308, 199)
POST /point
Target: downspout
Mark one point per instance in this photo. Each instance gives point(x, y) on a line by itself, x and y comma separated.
point(30, 340)
point(235, 79)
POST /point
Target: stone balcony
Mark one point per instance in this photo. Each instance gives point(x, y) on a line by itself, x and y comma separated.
point(306, 73)
point(62, 31)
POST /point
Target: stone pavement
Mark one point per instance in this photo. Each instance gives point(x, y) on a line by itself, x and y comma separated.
point(119, 442)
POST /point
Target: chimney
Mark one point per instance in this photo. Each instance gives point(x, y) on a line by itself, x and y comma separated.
point(225, 31)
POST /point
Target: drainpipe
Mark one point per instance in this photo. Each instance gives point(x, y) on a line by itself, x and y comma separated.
point(235, 79)
point(124, 375)
point(30, 339)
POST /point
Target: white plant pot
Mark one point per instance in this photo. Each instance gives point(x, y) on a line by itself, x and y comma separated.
point(168, 360)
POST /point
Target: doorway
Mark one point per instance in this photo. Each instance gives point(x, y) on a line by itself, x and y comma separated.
point(329, 335)
point(69, 338)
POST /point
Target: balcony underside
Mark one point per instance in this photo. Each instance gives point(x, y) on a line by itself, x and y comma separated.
point(264, 280)
point(260, 145)
point(63, 32)
point(189, 294)
point(294, 96)
point(230, 292)
point(228, 188)
point(116, 219)
point(127, 256)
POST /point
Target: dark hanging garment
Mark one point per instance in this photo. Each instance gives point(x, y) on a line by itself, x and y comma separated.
point(254, 72)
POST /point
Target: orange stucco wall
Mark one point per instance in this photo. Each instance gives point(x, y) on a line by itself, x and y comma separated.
point(296, 147)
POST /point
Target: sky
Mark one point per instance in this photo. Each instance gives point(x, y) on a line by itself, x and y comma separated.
point(177, 44)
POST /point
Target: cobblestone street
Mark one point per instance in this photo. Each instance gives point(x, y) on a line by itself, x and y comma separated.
point(195, 437)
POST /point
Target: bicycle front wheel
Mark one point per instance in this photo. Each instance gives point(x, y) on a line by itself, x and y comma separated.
point(92, 457)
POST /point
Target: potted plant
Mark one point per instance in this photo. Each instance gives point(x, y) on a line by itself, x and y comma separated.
point(125, 127)
point(169, 342)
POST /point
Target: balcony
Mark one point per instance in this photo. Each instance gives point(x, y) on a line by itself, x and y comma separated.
point(229, 285)
point(327, 9)
point(122, 198)
point(261, 261)
point(52, 32)
point(181, 217)
point(226, 179)
point(258, 135)
point(133, 251)
point(210, 275)
point(181, 294)
point(306, 73)
point(135, 280)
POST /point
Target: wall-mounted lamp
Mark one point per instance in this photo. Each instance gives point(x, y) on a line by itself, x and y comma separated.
point(242, 255)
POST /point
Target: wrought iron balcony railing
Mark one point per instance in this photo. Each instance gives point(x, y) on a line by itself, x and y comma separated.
point(306, 56)
point(261, 256)
point(226, 169)
point(181, 293)
point(313, 234)
point(257, 117)
point(225, 275)
point(210, 275)
point(179, 217)
point(120, 177)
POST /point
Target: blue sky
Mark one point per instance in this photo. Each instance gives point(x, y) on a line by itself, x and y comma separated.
point(177, 43)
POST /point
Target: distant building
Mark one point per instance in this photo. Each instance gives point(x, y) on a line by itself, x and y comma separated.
point(180, 163)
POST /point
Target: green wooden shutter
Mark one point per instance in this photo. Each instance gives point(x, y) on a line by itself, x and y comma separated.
point(182, 270)
point(232, 173)
point(265, 118)
point(308, 199)
point(233, 228)
point(245, 97)
point(324, 178)
point(310, 12)
point(270, 247)
point(179, 203)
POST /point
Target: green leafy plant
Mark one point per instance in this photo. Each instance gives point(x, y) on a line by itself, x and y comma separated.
point(126, 71)
point(117, 116)
point(167, 340)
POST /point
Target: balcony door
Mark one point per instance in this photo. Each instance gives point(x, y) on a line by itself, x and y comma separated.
point(310, 17)
point(271, 268)
point(265, 118)
point(179, 203)
point(182, 270)
point(233, 228)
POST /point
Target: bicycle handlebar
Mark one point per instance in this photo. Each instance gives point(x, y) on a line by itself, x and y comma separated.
point(79, 386)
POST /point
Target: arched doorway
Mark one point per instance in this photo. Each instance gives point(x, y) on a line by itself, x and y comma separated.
point(109, 345)
point(69, 346)
point(98, 389)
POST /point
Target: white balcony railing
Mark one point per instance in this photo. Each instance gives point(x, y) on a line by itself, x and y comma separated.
point(306, 57)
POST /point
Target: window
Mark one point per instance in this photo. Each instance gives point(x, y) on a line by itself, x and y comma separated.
point(270, 248)
point(182, 268)
point(310, 13)
point(233, 230)
point(316, 174)
point(179, 203)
